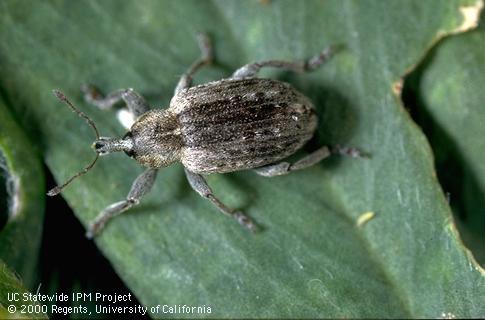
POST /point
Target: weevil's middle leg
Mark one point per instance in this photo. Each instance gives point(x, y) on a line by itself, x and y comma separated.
point(206, 58)
point(134, 101)
point(309, 160)
point(136, 104)
point(141, 186)
point(252, 69)
point(199, 184)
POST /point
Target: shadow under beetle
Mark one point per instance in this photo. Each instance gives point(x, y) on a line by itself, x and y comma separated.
point(242, 122)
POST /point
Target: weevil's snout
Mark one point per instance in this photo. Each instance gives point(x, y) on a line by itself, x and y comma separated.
point(106, 145)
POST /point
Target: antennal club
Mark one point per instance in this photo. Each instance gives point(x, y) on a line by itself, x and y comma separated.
point(56, 190)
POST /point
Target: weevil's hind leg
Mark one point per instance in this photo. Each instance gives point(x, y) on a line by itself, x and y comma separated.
point(251, 70)
point(206, 58)
point(282, 168)
point(136, 104)
point(141, 186)
point(309, 160)
point(199, 184)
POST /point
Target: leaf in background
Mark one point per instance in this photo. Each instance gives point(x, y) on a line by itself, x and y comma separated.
point(311, 260)
point(450, 87)
point(21, 166)
point(10, 285)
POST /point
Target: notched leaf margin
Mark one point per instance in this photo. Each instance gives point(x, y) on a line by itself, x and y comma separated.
point(471, 19)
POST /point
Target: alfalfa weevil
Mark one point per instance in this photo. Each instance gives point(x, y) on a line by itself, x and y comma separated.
point(242, 122)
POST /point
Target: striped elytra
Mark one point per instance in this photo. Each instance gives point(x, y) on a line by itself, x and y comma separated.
point(228, 125)
point(231, 125)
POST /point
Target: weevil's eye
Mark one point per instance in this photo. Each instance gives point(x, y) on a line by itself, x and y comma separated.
point(103, 145)
point(98, 146)
point(128, 135)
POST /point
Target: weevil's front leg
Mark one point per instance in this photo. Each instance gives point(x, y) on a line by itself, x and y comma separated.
point(252, 69)
point(206, 58)
point(282, 168)
point(199, 184)
point(136, 104)
point(141, 186)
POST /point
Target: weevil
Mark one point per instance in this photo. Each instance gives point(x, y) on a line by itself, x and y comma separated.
point(242, 122)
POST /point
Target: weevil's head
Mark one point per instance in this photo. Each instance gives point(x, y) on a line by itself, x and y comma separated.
point(154, 140)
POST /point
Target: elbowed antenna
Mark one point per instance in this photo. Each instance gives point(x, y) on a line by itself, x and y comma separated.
point(56, 190)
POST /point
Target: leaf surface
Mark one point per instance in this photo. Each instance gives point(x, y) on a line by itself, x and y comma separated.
point(23, 203)
point(15, 301)
point(312, 260)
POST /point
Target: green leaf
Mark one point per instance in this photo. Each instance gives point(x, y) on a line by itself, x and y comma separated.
point(24, 199)
point(312, 260)
point(15, 301)
point(452, 96)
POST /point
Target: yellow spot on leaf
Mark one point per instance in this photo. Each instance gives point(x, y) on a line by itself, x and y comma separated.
point(364, 218)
